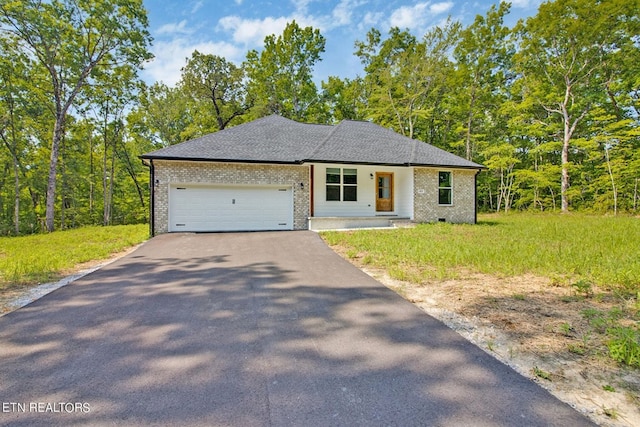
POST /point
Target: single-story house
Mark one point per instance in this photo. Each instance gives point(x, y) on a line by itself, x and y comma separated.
point(277, 174)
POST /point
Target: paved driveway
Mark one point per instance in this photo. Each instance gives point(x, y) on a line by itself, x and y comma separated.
point(249, 329)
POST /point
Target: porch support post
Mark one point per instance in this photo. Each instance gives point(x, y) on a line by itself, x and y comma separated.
point(311, 196)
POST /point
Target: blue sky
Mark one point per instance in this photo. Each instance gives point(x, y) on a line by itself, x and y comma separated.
point(231, 28)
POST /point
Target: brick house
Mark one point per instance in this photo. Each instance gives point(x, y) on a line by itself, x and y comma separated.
point(277, 174)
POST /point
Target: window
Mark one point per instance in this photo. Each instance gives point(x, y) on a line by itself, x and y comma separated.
point(333, 184)
point(342, 185)
point(445, 188)
point(350, 185)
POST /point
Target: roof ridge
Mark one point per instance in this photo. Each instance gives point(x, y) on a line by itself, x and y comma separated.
point(414, 145)
point(324, 141)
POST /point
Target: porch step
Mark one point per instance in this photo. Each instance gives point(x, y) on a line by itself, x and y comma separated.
point(347, 223)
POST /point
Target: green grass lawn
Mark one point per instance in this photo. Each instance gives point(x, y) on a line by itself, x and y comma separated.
point(45, 257)
point(604, 251)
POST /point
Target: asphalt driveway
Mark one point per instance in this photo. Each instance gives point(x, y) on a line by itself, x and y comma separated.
point(249, 329)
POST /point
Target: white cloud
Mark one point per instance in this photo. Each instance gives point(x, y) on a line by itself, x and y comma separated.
point(408, 16)
point(197, 6)
point(343, 12)
point(525, 4)
point(417, 16)
point(301, 6)
point(371, 19)
point(438, 8)
point(174, 28)
point(251, 32)
point(171, 56)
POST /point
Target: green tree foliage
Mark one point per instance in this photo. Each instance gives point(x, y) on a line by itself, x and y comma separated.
point(551, 107)
point(70, 39)
point(162, 116)
point(482, 57)
point(281, 75)
point(567, 59)
point(16, 112)
point(220, 85)
point(480, 103)
point(344, 99)
point(407, 80)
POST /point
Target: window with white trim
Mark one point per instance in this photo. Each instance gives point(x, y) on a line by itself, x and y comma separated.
point(445, 188)
point(342, 185)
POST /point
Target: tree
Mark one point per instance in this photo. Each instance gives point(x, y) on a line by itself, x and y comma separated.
point(344, 99)
point(20, 114)
point(281, 76)
point(70, 39)
point(162, 116)
point(219, 83)
point(407, 79)
point(111, 95)
point(563, 60)
point(482, 57)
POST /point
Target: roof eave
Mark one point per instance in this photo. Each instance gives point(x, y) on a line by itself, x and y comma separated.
point(426, 165)
point(298, 162)
point(346, 162)
point(203, 159)
point(429, 165)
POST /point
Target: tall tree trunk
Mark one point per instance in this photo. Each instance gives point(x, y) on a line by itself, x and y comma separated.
point(16, 172)
point(13, 150)
point(16, 181)
point(613, 182)
point(91, 179)
point(469, 151)
point(58, 132)
point(124, 155)
point(564, 184)
point(635, 196)
point(16, 205)
point(106, 199)
point(570, 125)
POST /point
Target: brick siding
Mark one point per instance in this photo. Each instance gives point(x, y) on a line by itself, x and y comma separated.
point(425, 189)
point(185, 172)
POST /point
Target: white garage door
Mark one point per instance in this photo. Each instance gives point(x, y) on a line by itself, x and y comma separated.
point(230, 208)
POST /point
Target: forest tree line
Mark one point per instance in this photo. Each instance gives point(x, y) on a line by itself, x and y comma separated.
point(551, 106)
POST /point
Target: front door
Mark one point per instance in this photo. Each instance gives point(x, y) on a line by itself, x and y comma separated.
point(384, 193)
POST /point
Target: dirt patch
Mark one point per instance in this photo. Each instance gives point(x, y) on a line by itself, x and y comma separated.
point(539, 329)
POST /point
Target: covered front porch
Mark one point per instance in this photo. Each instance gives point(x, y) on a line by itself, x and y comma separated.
point(346, 196)
point(348, 223)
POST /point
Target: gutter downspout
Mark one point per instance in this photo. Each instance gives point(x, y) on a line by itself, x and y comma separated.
point(152, 204)
point(152, 214)
point(475, 196)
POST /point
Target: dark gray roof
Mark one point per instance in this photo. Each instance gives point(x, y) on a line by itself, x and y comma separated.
point(274, 139)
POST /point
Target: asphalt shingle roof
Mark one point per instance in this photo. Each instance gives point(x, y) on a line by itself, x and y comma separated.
point(274, 139)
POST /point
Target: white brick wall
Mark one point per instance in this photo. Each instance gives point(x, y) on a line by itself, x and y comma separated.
point(172, 172)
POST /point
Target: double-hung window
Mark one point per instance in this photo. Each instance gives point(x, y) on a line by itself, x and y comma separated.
point(445, 188)
point(342, 184)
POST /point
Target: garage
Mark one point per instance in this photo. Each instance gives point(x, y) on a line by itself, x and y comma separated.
point(199, 208)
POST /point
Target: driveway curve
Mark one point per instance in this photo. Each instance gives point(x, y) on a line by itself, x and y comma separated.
point(249, 329)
